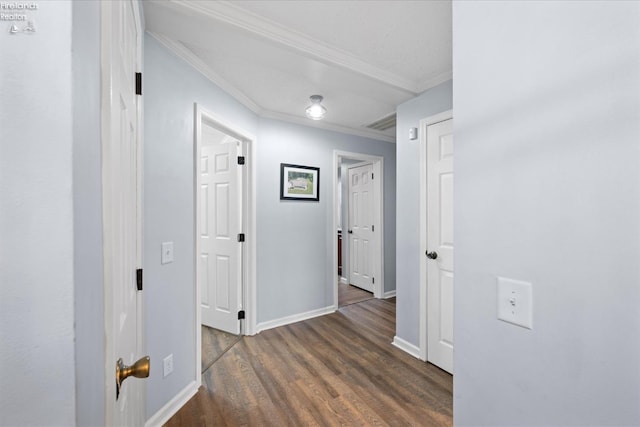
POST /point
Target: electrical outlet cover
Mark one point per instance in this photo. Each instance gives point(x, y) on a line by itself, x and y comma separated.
point(167, 365)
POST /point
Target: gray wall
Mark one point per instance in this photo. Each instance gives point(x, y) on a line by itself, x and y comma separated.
point(409, 114)
point(170, 89)
point(295, 239)
point(294, 242)
point(547, 123)
point(87, 214)
point(36, 228)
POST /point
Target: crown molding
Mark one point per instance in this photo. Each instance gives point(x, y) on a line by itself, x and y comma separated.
point(234, 15)
point(182, 52)
point(435, 81)
point(321, 124)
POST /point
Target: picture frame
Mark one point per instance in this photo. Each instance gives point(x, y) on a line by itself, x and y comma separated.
point(299, 182)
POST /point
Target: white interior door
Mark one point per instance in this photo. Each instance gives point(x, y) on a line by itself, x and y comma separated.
point(440, 244)
point(122, 209)
point(360, 231)
point(220, 223)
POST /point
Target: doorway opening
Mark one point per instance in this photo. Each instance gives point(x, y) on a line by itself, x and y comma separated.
point(224, 235)
point(357, 233)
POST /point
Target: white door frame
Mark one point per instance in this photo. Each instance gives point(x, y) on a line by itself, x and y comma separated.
point(424, 123)
point(106, 71)
point(248, 292)
point(378, 222)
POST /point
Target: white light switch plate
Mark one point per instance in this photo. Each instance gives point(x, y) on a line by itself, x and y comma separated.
point(167, 253)
point(515, 302)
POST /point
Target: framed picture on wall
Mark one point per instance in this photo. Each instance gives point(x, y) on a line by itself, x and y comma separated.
point(299, 182)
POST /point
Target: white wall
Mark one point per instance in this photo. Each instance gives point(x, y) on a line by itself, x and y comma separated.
point(87, 214)
point(409, 114)
point(36, 223)
point(296, 239)
point(547, 190)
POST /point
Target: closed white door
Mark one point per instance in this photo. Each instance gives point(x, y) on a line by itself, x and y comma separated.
point(220, 223)
point(360, 231)
point(440, 244)
point(121, 211)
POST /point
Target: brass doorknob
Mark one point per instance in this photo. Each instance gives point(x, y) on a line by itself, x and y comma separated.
point(140, 369)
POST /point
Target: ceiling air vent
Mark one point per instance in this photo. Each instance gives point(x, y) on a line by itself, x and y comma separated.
point(387, 122)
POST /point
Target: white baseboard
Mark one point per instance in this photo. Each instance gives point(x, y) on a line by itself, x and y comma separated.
point(173, 406)
point(294, 318)
point(343, 280)
point(389, 294)
point(406, 346)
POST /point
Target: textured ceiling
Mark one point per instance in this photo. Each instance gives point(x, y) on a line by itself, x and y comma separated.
point(364, 57)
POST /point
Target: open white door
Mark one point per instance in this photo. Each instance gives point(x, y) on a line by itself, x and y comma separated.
point(121, 174)
point(220, 219)
point(361, 227)
point(440, 244)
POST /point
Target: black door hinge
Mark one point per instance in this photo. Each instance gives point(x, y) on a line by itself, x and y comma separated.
point(138, 83)
point(241, 237)
point(241, 160)
point(241, 315)
point(139, 279)
point(373, 228)
point(371, 175)
point(373, 280)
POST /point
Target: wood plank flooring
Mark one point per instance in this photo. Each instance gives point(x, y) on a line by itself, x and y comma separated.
point(348, 294)
point(338, 369)
point(214, 344)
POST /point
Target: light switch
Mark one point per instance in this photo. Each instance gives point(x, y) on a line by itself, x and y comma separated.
point(515, 302)
point(167, 253)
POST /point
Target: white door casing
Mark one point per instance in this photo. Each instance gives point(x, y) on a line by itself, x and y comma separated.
point(246, 296)
point(361, 227)
point(437, 238)
point(220, 223)
point(378, 221)
point(121, 195)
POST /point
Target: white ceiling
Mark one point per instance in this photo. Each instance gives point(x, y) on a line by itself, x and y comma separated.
point(364, 57)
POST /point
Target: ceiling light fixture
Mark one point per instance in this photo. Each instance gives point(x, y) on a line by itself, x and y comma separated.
point(316, 110)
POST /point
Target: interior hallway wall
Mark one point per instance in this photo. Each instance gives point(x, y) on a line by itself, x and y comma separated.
point(37, 362)
point(87, 215)
point(547, 190)
point(170, 89)
point(296, 239)
point(409, 114)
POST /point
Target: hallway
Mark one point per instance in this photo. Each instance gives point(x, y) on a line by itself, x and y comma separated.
point(338, 369)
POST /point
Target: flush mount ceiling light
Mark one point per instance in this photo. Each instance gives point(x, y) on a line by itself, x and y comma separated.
point(316, 110)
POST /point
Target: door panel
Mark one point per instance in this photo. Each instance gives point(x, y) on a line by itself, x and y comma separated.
point(220, 223)
point(360, 227)
point(440, 240)
point(121, 209)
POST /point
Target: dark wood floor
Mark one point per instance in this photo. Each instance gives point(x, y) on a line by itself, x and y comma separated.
point(338, 369)
point(214, 344)
point(348, 294)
